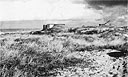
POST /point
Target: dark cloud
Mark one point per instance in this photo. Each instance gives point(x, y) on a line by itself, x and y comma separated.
point(107, 3)
point(114, 10)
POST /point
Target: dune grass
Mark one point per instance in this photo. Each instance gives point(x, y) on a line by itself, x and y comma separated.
point(46, 55)
point(31, 57)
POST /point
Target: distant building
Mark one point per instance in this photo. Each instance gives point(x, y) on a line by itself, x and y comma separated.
point(49, 26)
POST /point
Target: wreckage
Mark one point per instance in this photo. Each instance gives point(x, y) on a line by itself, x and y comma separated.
point(49, 28)
point(93, 29)
point(89, 30)
point(105, 24)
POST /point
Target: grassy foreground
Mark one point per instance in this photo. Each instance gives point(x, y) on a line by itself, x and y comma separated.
point(63, 55)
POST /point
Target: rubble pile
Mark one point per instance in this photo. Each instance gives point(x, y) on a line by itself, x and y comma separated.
point(98, 64)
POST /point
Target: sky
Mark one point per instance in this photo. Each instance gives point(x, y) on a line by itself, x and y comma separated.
point(74, 11)
point(45, 10)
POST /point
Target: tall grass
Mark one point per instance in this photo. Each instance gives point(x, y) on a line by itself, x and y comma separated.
point(46, 56)
point(34, 57)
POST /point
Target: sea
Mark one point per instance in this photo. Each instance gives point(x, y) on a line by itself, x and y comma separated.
point(3, 31)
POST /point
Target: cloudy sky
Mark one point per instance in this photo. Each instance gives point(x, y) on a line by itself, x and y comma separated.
point(45, 9)
point(76, 10)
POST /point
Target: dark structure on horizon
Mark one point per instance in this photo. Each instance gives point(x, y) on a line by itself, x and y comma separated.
point(50, 26)
point(104, 25)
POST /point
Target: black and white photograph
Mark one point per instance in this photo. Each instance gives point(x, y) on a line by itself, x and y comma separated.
point(63, 38)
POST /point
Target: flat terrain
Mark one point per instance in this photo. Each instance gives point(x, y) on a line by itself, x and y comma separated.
point(76, 52)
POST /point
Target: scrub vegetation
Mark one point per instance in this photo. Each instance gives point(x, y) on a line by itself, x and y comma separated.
point(77, 52)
